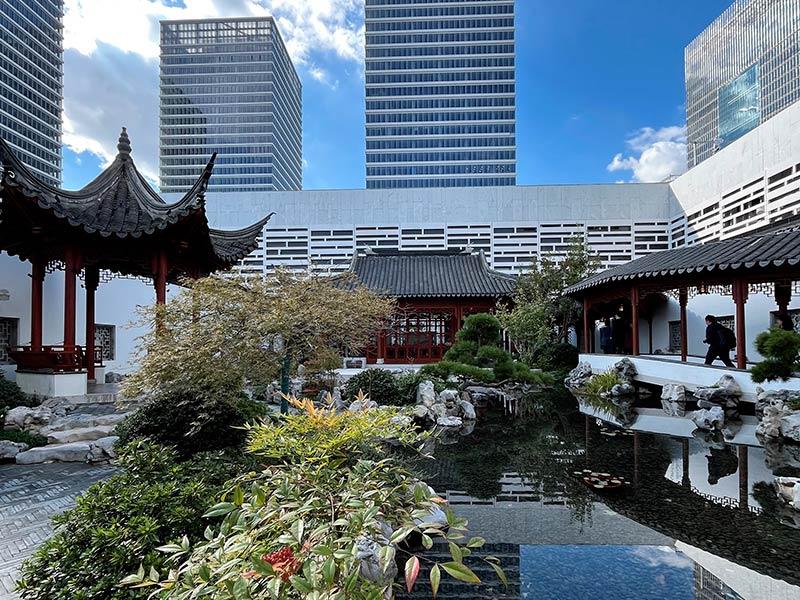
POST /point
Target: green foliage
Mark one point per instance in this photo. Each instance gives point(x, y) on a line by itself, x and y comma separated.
point(191, 420)
point(492, 357)
point(32, 439)
point(408, 383)
point(462, 352)
point(295, 530)
point(481, 328)
point(781, 352)
point(541, 312)
point(118, 524)
point(446, 369)
point(554, 356)
point(324, 435)
point(11, 396)
point(601, 383)
point(379, 384)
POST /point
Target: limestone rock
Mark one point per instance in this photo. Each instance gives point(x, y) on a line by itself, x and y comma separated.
point(625, 369)
point(401, 420)
point(9, 450)
point(448, 396)
point(790, 426)
point(673, 399)
point(420, 412)
point(771, 420)
point(467, 410)
point(708, 419)
point(622, 389)
point(789, 490)
point(74, 452)
point(31, 419)
point(766, 398)
point(439, 411)
point(480, 395)
point(724, 389)
point(368, 553)
point(79, 421)
point(112, 377)
point(102, 449)
point(426, 394)
point(578, 376)
point(79, 435)
point(338, 404)
point(359, 405)
point(449, 422)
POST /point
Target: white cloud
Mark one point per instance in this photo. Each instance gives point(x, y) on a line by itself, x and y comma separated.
point(112, 49)
point(657, 154)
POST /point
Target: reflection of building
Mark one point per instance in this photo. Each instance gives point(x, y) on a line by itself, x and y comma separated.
point(31, 70)
point(708, 586)
point(435, 291)
point(740, 71)
point(228, 86)
point(440, 91)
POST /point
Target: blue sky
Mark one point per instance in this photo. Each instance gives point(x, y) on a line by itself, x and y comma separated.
point(595, 80)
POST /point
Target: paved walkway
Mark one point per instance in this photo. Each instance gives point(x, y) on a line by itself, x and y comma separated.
point(29, 496)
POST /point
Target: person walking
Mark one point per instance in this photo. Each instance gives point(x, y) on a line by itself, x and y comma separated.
point(720, 340)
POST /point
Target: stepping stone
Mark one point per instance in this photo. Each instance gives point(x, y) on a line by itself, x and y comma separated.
point(80, 434)
point(74, 452)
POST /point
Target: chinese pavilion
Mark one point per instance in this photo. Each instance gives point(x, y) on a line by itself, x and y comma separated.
point(435, 291)
point(115, 224)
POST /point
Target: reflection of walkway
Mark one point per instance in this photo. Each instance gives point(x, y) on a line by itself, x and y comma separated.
point(29, 496)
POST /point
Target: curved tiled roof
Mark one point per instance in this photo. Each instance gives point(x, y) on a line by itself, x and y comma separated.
point(120, 203)
point(431, 274)
point(750, 253)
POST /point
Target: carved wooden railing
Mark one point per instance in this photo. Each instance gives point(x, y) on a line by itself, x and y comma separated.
point(53, 359)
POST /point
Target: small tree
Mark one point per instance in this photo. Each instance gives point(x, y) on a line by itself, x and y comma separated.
point(781, 352)
point(541, 312)
point(219, 332)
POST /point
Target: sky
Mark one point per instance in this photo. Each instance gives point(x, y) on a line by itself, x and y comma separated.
point(600, 92)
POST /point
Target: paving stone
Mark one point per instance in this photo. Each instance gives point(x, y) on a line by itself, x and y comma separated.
point(29, 496)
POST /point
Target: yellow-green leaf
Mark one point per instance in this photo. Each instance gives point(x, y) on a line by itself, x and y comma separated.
point(436, 577)
point(461, 572)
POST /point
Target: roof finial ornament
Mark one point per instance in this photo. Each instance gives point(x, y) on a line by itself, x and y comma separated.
point(124, 145)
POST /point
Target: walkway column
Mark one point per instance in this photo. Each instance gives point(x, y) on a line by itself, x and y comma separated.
point(587, 348)
point(636, 452)
point(740, 291)
point(71, 269)
point(635, 320)
point(37, 283)
point(683, 300)
point(783, 295)
point(685, 479)
point(160, 283)
point(744, 488)
point(92, 280)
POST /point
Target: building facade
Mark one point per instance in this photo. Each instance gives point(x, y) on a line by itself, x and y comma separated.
point(440, 93)
point(741, 71)
point(228, 86)
point(31, 89)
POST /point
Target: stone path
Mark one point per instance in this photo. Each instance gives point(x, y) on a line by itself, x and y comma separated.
point(29, 496)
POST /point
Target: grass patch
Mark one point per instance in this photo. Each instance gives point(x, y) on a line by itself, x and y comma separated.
point(32, 439)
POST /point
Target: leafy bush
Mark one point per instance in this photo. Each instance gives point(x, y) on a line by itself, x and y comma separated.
point(117, 524)
point(482, 328)
point(407, 384)
point(601, 383)
point(781, 352)
point(32, 439)
point(295, 531)
point(446, 369)
point(191, 420)
point(491, 356)
point(552, 356)
point(462, 352)
point(379, 384)
point(12, 396)
point(326, 435)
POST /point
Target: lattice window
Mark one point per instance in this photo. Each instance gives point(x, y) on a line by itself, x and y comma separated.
point(105, 337)
point(727, 321)
point(674, 336)
point(8, 337)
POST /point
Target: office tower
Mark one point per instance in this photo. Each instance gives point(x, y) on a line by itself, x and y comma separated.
point(742, 70)
point(440, 93)
point(228, 86)
point(31, 76)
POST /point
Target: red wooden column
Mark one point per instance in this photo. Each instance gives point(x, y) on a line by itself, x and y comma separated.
point(783, 295)
point(683, 299)
point(635, 320)
point(744, 487)
point(740, 292)
point(92, 280)
point(37, 283)
point(72, 266)
point(587, 347)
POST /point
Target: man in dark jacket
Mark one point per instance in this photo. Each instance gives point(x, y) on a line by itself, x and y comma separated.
point(717, 342)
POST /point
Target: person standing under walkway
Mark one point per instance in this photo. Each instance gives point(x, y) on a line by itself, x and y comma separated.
point(720, 340)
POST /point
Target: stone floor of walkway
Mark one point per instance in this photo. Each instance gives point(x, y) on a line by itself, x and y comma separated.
point(29, 496)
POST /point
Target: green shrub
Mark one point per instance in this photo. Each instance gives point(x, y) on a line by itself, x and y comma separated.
point(446, 369)
point(191, 421)
point(462, 352)
point(117, 524)
point(781, 352)
point(407, 384)
point(379, 384)
point(552, 356)
point(11, 396)
point(482, 328)
point(32, 439)
point(490, 356)
point(601, 383)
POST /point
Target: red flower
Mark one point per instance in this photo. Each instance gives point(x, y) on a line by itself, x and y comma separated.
point(284, 562)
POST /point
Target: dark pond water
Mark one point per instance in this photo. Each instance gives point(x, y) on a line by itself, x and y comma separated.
point(694, 518)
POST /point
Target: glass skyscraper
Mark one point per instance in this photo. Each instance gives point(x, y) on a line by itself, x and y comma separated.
point(743, 69)
point(440, 93)
point(31, 74)
point(228, 86)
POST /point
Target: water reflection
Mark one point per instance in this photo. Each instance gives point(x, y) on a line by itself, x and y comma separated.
point(703, 504)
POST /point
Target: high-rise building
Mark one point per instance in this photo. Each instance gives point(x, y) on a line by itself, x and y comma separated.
point(742, 70)
point(441, 93)
point(31, 75)
point(228, 86)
